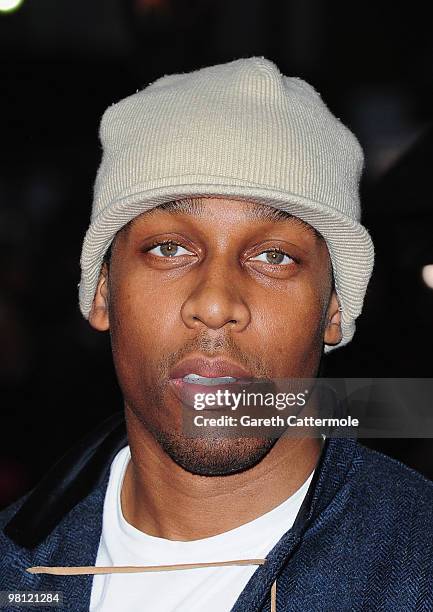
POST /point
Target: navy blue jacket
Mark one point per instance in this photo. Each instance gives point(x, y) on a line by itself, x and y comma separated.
point(362, 541)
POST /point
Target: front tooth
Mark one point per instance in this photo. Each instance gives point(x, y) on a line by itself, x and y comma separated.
point(191, 378)
point(204, 380)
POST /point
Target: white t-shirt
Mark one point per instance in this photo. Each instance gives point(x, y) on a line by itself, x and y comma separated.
point(213, 589)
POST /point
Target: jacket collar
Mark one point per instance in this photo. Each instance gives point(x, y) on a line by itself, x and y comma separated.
point(82, 470)
point(73, 541)
point(337, 459)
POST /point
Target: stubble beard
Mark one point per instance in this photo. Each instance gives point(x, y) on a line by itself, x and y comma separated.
point(215, 453)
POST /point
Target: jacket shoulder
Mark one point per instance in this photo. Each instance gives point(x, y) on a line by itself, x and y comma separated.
point(386, 466)
point(389, 484)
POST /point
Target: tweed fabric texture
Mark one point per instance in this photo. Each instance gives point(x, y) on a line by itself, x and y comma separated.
point(241, 130)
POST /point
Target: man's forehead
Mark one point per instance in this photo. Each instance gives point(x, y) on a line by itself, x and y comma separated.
point(253, 211)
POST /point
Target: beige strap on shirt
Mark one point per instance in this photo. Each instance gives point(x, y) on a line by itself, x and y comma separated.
point(79, 570)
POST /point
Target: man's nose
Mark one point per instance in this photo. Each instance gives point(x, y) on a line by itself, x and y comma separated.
point(216, 299)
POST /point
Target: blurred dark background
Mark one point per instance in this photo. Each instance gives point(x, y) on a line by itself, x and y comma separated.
point(63, 63)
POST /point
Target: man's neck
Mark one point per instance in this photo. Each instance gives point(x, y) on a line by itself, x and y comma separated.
point(162, 499)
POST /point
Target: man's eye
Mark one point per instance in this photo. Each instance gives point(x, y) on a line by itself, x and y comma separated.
point(274, 256)
point(168, 249)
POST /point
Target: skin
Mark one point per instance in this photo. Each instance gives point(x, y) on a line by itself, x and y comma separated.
point(221, 293)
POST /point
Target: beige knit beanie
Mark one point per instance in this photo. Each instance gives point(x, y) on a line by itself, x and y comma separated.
point(240, 129)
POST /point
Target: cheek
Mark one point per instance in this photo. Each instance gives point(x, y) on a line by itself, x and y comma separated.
point(143, 317)
point(290, 325)
point(296, 310)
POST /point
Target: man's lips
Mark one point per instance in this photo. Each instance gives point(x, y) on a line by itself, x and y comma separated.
point(217, 375)
point(210, 368)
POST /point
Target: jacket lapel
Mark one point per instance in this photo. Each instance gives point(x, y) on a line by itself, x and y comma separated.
point(330, 475)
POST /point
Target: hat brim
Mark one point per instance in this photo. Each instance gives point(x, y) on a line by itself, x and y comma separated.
point(349, 243)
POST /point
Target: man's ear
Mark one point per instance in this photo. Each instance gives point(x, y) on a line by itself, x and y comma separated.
point(98, 317)
point(333, 334)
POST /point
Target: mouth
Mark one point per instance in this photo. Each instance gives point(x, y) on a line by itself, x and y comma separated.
point(196, 379)
point(200, 370)
point(204, 376)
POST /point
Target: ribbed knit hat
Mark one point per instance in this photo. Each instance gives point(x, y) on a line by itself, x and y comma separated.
point(240, 130)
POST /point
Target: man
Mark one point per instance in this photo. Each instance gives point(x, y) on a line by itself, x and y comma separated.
point(224, 247)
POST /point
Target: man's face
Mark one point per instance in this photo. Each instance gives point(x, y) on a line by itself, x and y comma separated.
point(222, 280)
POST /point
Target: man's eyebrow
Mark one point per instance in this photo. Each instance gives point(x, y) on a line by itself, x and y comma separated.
point(255, 212)
point(195, 206)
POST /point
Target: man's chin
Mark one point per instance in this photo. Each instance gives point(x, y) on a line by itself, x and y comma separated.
point(214, 456)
